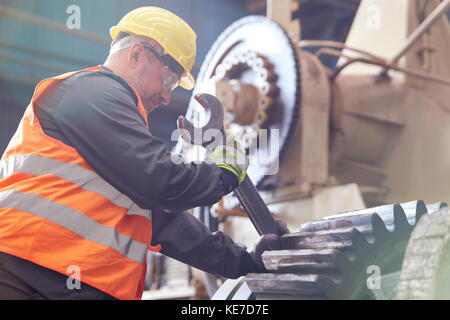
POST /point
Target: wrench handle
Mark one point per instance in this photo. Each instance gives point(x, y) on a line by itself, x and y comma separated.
point(255, 207)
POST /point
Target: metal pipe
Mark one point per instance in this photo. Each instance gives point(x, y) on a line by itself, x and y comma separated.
point(379, 62)
point(335, 44)
point(424, 26)
point(49, 24)
point(387, 66)
point(339, 54)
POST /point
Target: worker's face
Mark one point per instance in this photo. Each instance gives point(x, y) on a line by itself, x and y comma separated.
point(150, 75)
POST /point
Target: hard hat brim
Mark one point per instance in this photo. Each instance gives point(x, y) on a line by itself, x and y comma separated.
point(113, 31)
point(187, 82)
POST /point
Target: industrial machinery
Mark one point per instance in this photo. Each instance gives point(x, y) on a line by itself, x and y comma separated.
point(323, 142)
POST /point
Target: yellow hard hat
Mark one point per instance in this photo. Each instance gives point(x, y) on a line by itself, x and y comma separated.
point(173, 34)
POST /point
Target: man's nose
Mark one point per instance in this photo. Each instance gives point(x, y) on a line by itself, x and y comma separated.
point(165, 96)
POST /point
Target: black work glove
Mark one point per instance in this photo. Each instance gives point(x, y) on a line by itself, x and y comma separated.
point(266, 242)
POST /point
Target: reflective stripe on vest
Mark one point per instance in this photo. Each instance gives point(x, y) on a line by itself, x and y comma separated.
point(86, 179)
point(74, 221)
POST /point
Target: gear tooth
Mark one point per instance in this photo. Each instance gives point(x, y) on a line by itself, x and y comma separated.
point(359, 242)
point(433, 207)
point(306, 260)
point(329, 285)
point(343, 261)
point(380, 231)
point(421, 209)
point(332, 284)
point(287, 283)
point(400, 220)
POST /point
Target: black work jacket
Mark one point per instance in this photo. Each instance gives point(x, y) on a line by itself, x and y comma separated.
point(95, 112)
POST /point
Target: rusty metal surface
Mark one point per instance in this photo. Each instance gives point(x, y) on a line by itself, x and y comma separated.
point(329, 258)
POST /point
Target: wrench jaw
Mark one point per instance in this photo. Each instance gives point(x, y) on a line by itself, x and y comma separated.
point(214, 106)
point(184, 132)
point(208, 101)
point(207, 135)
point(198, 136)
point(189, 133)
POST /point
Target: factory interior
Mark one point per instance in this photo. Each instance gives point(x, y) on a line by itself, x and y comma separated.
point(354, 93)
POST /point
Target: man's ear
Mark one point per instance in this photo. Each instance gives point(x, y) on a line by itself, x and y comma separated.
point(135, 55)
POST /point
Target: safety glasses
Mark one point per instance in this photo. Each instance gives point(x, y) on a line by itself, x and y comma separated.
point(170, 78)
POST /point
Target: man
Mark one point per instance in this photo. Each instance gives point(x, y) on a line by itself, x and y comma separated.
point(86, 190)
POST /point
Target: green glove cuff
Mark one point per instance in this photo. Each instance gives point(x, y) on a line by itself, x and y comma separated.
point(222, 155)
point(231, 157)
point(239, 172)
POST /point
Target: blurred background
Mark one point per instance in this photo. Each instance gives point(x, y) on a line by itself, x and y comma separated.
point(366, 137)
point(36, 42)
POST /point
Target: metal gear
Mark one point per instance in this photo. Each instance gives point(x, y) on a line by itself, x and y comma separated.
point(332, 258)
point(258, 52)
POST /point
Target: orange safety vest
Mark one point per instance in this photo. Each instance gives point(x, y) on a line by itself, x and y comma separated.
point(57, 212)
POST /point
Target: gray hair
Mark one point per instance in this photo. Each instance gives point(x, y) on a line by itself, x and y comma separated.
point(128, 39)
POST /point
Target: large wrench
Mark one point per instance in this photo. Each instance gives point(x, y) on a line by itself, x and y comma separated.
point(246, 192)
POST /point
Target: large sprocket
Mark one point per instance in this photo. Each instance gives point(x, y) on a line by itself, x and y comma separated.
point(258, 52)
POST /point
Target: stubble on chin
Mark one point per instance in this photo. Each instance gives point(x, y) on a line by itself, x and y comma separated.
point(148, 107)
point(146, 102)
